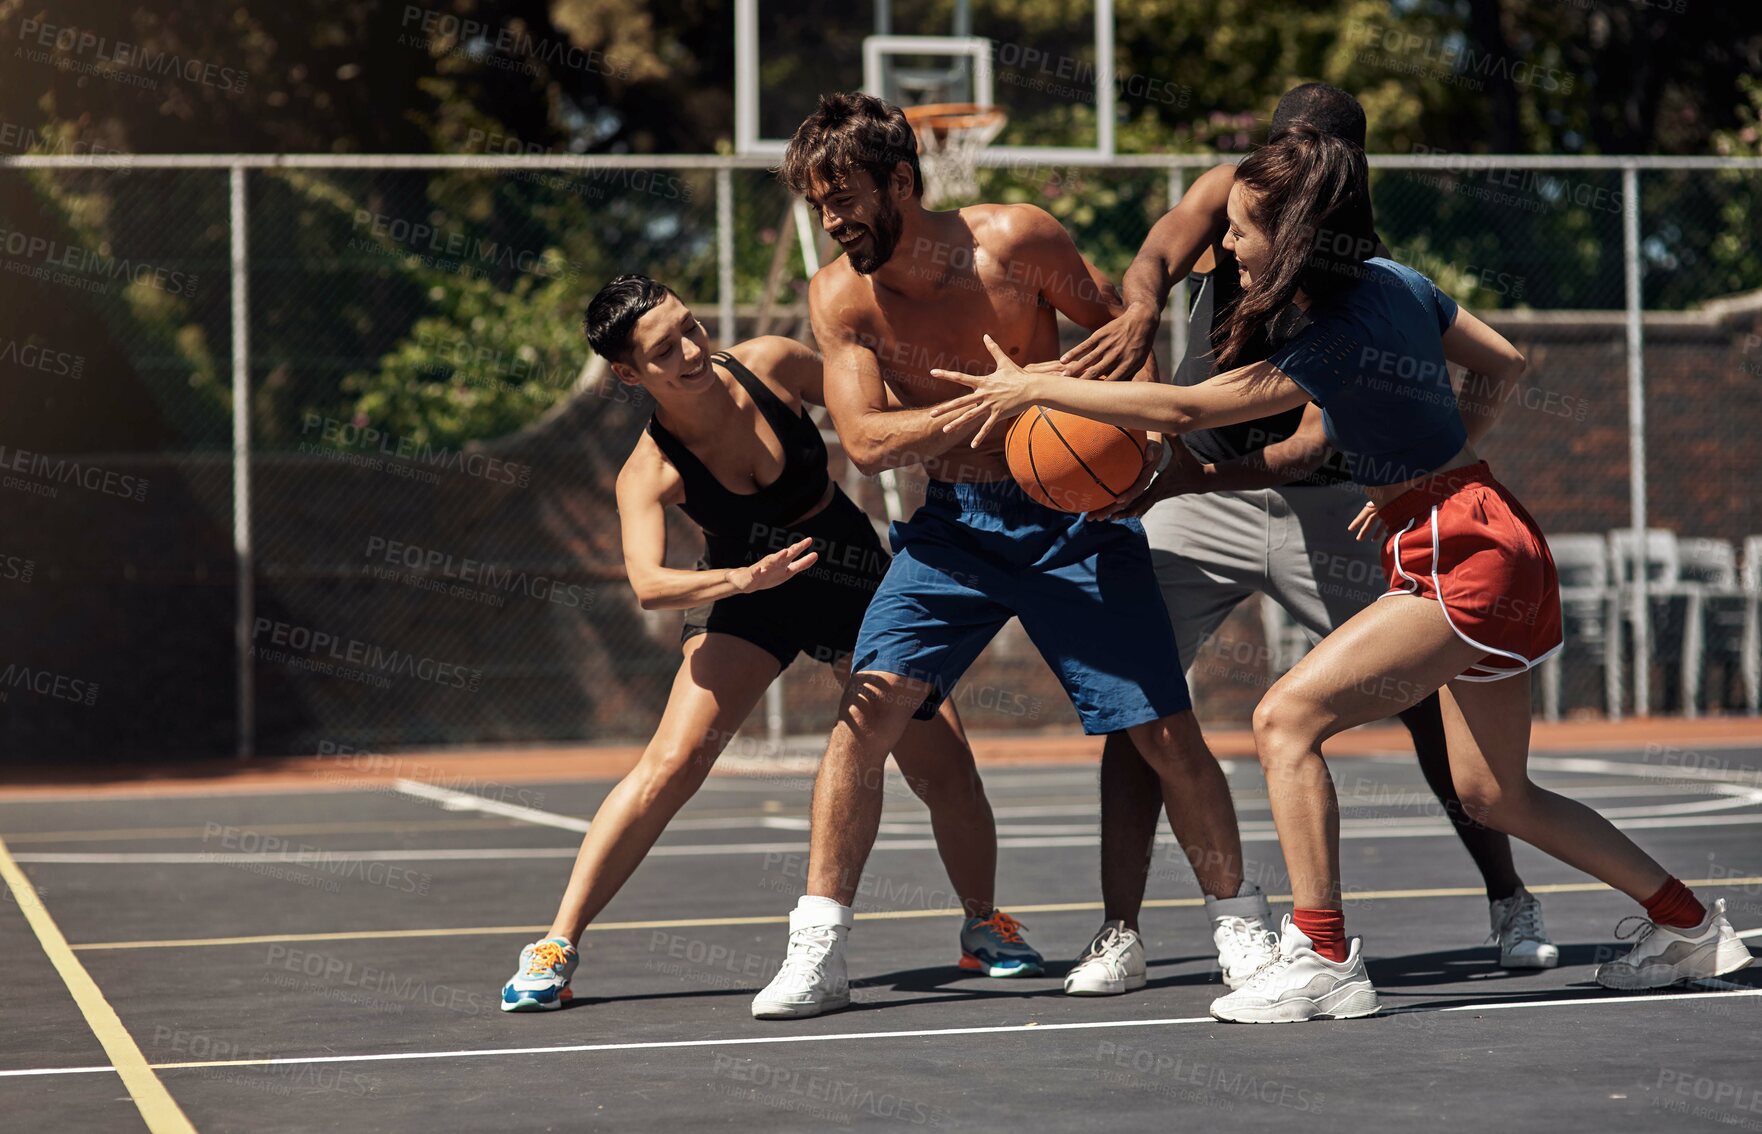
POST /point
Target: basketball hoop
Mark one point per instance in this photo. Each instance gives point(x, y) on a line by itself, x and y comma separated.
point(951, 136)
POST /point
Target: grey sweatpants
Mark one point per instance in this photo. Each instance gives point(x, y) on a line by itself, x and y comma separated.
point(1212, 550)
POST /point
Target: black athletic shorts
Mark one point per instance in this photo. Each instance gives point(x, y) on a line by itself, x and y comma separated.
point(817, 613)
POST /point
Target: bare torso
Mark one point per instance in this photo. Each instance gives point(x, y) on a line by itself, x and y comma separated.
point(961, 287)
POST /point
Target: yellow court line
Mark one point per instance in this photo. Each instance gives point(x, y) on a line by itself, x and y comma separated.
point(158, 1109)
point(879, 915)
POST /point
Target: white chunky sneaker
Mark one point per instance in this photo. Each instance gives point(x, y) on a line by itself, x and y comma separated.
point(1301, 984)
point(1664, 955)
point(1517, 927)
point(1112, 965)
point(813, 978)
point(1239, 929)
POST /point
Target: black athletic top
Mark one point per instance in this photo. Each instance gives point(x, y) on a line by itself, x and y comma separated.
point(751, 517)
point(1213, 296)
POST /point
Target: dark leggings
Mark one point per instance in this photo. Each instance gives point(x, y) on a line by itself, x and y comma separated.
point(1131, 806)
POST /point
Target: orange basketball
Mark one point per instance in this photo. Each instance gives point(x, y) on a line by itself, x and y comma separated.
point(1071, 463)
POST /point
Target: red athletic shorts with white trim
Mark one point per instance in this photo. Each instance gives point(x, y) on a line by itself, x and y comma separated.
point(1462, 539)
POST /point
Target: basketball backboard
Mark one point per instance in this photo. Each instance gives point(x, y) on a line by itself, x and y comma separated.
point(1054, 77)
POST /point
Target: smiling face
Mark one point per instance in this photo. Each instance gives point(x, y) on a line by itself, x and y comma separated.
point(669, 352)
point(862, 217)
point(1244, 239)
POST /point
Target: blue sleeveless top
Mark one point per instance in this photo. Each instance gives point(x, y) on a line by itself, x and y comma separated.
point(1373, 360)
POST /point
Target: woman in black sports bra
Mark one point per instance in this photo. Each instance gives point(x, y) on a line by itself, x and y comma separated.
point(820, 613)
point(789, 566)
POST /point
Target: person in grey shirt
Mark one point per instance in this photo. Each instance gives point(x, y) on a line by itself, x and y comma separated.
point(1262, 507)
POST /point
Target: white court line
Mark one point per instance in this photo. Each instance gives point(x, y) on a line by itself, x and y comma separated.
point(451, 800)
point(1589, 1000)
point(1642, 770)
point(57, 1071)
point(747, 1041)
point(1251, 833)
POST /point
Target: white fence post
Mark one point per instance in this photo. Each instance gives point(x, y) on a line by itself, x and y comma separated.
point(243, 557)
point(1176, 311)
point(725, 329)
point(1641, 611)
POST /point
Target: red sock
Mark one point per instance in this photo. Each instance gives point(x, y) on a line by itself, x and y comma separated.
point(1326, 929)
point(1675, 905)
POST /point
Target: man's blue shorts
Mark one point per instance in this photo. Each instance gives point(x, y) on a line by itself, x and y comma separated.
point(976, 554)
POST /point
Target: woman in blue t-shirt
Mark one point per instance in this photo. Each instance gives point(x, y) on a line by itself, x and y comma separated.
point(1473, 594)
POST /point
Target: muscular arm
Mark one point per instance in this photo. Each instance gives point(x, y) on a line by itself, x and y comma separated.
point(795, 365)
point(1244, 394)
point(1279, 463)
point(1493, 365)
point(646, 485)
point(1177, 241)
point(1172, 247)
point(1069, 283)
point(876, 434)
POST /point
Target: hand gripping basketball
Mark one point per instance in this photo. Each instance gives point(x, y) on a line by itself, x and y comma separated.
point(1061, 460)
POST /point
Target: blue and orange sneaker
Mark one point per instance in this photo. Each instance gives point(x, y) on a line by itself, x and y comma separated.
point(994, 946)
point(542, 982)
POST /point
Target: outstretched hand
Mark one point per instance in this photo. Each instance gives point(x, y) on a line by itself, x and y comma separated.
point(1114, 350)
point(778, 567)
point(998, 396)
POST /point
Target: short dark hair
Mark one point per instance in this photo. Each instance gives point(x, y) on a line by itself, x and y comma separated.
point(850, 130)
point(1326, 108)
point(613, 312)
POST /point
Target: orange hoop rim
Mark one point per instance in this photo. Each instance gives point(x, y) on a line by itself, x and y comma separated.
point(942, 118)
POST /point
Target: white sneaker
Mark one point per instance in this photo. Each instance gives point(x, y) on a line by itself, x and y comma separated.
point(1517, 927)
point(1240, 931)
point(1301, 984)
point(1112, 965)
point(813, 978)
point(1664, 955)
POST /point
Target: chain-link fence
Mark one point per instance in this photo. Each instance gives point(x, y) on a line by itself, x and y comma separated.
point(312, 452)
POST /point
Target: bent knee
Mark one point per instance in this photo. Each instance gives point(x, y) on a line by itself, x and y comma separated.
point(673, 775)
point(1171, 743)
point(1491, 803)
point(1290, 715)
